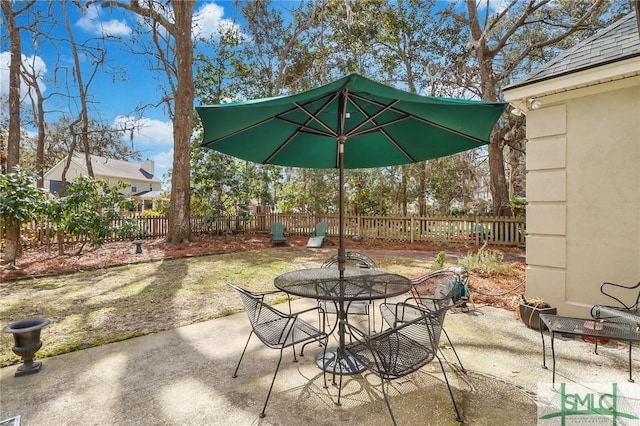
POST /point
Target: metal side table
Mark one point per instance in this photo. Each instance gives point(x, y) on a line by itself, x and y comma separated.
point(586, 327)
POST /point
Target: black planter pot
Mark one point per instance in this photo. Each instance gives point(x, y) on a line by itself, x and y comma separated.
point(26, 336)
point(530, 315)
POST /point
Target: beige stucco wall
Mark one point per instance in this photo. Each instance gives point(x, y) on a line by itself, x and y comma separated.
point(583, 190)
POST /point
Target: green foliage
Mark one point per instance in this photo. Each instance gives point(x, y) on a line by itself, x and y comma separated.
point(221, 184)
point(486, 262)
point(88, 210)
point(20, 200)
point(161, 203)
point(451, 178)
point(150, 213)
point(439, 262)
point(518, 206)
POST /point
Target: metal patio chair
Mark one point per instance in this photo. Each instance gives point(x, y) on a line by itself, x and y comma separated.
point(277, 330)
point(432, 291)
point(402, 349)
point(355, 307)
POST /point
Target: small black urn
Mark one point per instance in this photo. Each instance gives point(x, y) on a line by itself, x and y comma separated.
point(26, 335)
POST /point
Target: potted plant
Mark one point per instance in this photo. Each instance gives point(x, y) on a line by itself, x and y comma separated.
point(530, 310)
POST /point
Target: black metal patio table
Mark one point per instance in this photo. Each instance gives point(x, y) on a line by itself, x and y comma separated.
point(589, 328)
point(356, 284)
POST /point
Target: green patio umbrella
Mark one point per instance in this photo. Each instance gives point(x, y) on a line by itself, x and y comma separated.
point(351, 123)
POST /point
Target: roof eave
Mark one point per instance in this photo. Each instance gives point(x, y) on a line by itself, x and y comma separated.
point(612, 71)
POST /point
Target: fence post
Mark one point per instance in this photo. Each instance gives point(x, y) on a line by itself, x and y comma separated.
point(412, 236)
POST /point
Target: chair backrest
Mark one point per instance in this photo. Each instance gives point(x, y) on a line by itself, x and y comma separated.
point(442, 283)
point(277, 229)
point(352, 258)
point(321, 229)
point(618, 292)
point(398, 313)
point(270, 325)
point(404, 348)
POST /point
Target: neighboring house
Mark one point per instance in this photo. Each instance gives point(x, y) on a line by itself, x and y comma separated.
point(140, 182)
point(583, 168)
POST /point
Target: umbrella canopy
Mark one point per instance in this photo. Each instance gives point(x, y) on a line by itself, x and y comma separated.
point(378, 125)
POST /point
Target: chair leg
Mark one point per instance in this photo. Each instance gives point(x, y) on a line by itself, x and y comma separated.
point(324, 356)
point(338, 403)
point(262, 414)
point(235, 373)
point(454, 350)
point(455, 406)
point(373, 315)
point(386, 400)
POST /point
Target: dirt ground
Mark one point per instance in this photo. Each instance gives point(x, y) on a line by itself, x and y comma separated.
point(496, 291)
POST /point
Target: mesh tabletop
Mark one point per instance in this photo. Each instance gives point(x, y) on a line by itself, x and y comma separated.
point(358, 284)
point(591, 328)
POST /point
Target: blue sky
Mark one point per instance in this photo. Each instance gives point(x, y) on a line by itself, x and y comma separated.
point(116, 97)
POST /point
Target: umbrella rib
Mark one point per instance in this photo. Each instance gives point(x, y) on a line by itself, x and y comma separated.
point(237, 132)
point(302, 126)
point(422, 120)
point(378, 127)
point(372, 117)
point(305, 128)
point(313, 117)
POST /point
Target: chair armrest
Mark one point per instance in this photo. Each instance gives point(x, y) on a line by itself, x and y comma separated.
point(603, 290)
point(423, 302)
point(315, 308)
point(402, 312)
point(355, 331)
point(610, 314)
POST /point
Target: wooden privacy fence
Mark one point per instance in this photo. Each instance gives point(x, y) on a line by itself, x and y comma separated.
point(476, 229)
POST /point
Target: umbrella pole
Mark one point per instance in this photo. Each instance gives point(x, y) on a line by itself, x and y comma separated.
point(341, 256)
point(341, 252)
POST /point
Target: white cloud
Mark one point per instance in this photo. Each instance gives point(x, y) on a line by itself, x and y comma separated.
point(208, 21)
point(34, 64)
point(163, 162)
point(91, 23)
point(146, 131)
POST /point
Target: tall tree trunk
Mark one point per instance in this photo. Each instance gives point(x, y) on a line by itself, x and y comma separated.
point(403, 190)
point(179, 206)
point(84, 121)
point(41, 138)
point(498, 180)
point(13, 249)
point(422, 190)
point(30, 78)
point(497, 176)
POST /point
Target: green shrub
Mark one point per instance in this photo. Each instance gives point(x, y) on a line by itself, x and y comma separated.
point(486, 262)
point(439, 262)
point(150, 213)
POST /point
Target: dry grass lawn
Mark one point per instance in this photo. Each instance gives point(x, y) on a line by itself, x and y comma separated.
point(106, 304)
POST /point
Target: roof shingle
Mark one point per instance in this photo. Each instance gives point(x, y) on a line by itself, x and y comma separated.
point(116, 168)
point(617, 42)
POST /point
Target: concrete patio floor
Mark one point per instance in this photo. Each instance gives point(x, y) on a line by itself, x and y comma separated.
point(183, 377)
